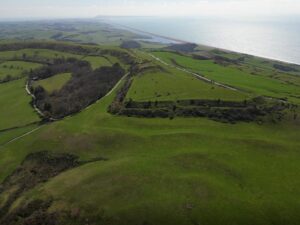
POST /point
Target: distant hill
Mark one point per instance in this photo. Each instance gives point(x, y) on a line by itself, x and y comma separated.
point(186, 47)
point(130, 44)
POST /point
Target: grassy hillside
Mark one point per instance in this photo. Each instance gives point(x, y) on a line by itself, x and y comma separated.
point(15, 105)
point(180, 171)
point(97, 168)
point(53, 83)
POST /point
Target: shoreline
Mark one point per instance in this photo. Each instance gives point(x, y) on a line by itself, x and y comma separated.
point(208, 46)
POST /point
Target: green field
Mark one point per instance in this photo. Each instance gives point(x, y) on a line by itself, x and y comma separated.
point(16, 68)
point(36, 53)
point(257, 84)
point(54, 83)
point(97, 61)
point(15, 105)
point(144, 171)
point(176, 85)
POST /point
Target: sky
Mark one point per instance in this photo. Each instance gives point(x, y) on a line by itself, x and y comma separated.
point(91, 8)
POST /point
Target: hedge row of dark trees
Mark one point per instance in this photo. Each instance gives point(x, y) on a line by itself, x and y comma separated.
point(284, 68)
point(186, 47)
point(130, 44)
point(224, 111)
point(9, 78)
point(69, 65)
point(84, 88)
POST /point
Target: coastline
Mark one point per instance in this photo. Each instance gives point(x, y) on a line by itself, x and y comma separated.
point(179, 41)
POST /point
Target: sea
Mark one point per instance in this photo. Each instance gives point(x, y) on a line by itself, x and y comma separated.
point(275, 38)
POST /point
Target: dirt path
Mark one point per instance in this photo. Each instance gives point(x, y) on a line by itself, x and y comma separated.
point(111, 91)
point(34, 105)
point(117, 84)
point(21, 136)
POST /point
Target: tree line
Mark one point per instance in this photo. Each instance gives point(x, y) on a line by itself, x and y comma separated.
point(84, 88)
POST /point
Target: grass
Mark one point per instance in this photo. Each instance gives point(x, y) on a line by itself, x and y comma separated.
point(175, 85)
point(15, 105)
point(54, 83)
point(9, 135)
point(164, 171)
point(16, 68)
point(97, 61)
point(256, 84)
point(36, 53)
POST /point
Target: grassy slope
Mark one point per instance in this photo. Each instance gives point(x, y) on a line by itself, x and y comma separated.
point(54, 83)
point(160, 171)
point(16, 68)
point(181, 171)
point(7, 136)
point(258, 84)
point(175, 85)
point(97, 61)
point(15, 107)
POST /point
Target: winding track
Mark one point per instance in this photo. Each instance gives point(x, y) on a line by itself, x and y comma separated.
point(34, 105)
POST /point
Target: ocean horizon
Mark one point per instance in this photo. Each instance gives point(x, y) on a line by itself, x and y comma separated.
point(276, 39)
